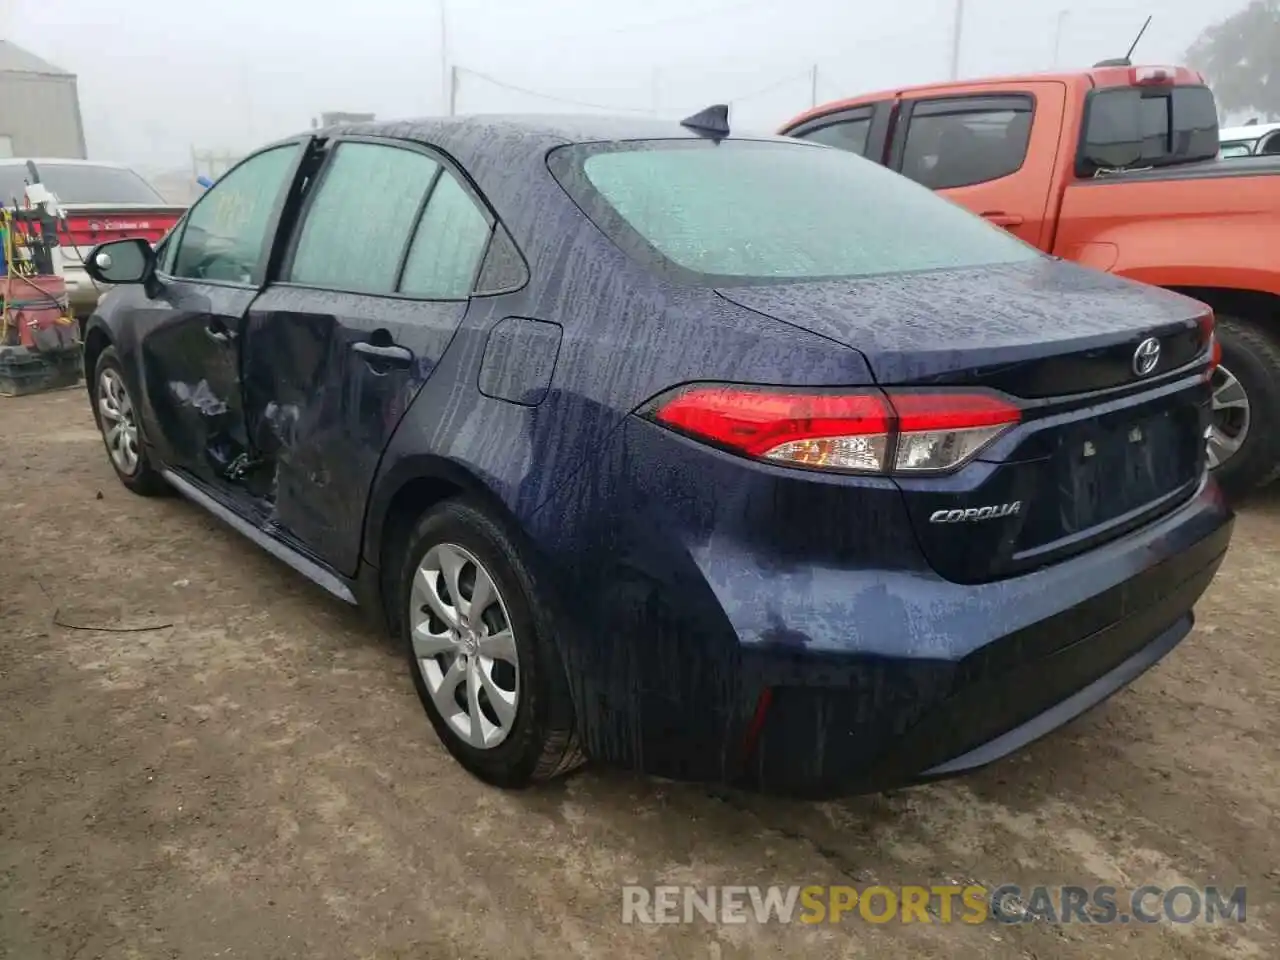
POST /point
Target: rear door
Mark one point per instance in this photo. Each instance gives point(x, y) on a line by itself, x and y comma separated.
point(994, 153)
point(191, 325)
point(863, 130)
point(376, 281)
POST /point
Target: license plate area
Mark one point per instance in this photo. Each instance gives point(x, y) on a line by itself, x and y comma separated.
point(1111, 467)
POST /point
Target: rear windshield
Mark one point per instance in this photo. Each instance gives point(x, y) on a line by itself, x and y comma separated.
point(745, 211)
point(79, 183)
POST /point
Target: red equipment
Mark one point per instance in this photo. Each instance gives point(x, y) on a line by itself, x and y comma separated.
point(39, 340)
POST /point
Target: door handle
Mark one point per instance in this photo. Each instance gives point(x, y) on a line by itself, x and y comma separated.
point(392, 353)
point(1002, 219)
point(219, 333)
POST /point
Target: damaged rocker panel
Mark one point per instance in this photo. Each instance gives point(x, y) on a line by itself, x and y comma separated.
point(310, 569)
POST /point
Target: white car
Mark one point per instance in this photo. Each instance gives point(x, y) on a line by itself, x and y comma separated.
point(99, 201)
point(1257, 139)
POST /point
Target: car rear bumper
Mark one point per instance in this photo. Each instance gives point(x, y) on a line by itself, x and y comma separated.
point(82, 295)
point(931, 719)
point(821, 658)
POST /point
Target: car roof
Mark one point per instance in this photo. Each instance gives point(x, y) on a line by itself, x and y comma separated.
point(506, 155)
point(1252, 132)
point(68, 161)
point(537, 129)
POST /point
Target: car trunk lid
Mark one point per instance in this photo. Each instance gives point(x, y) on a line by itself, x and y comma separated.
point(1105, 444)
point(89, 224)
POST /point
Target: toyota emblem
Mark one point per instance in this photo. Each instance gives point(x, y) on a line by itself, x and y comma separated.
point(1146, 357)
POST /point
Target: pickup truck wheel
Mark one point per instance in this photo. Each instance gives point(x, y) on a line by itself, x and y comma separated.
point(1244, 443)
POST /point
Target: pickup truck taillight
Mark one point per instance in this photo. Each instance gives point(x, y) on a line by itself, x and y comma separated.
point(911, 432)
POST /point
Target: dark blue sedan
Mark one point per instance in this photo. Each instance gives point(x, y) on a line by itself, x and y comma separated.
point(719, 457)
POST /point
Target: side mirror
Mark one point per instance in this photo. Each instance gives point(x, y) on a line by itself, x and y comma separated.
point(120, 261)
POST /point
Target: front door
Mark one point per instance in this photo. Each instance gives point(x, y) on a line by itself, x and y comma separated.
point(337, 350)
point(191, 331)
point(994, 154)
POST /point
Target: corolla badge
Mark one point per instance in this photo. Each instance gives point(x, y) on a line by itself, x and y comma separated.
point(977, 513)
point(1146, 357)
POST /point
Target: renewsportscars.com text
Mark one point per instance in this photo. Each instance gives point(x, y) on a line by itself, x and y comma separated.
point(941, 903)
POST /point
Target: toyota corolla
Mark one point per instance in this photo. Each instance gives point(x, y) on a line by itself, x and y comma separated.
point(717, 456)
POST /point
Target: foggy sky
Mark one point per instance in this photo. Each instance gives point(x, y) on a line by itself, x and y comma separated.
point(157, 78)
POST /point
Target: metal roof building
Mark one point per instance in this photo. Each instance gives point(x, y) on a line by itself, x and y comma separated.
point(39, 107)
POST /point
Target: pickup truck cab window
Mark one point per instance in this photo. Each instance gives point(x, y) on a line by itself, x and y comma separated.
point(863, 129)
point(1151, 126)
point(957, 142)
point(847, 131)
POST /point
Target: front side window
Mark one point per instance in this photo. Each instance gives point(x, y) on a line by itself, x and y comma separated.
point(744, 211)
point(361, 216)
point(848, 135)
point(167, 250)
point(226, 230)
point(954, 144)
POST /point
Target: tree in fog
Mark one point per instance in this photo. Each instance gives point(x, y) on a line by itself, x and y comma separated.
point(1241, 59)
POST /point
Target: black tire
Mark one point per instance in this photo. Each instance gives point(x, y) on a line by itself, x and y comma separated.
point(542, 742)
point(143, 479)
point(1252, 356)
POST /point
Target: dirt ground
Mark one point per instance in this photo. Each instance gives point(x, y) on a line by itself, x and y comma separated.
point(256, 779)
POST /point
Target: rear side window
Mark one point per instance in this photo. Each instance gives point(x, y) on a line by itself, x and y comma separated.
point(957, 143)
point(448, 245)
point(848, 135)
point(745, 211)
point(360, 218)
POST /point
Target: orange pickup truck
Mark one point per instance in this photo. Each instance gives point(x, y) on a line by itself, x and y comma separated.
point(1115, 168)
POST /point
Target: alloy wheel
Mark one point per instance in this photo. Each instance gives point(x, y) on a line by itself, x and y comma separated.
point(1231, 417)
point(119, 426)
point(464, 645)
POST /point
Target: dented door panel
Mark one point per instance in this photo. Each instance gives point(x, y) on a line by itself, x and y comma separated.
point(321, 407)
point(190, 366)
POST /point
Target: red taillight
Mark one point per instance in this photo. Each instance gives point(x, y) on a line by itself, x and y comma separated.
point(863, 431)
point(82, 231)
